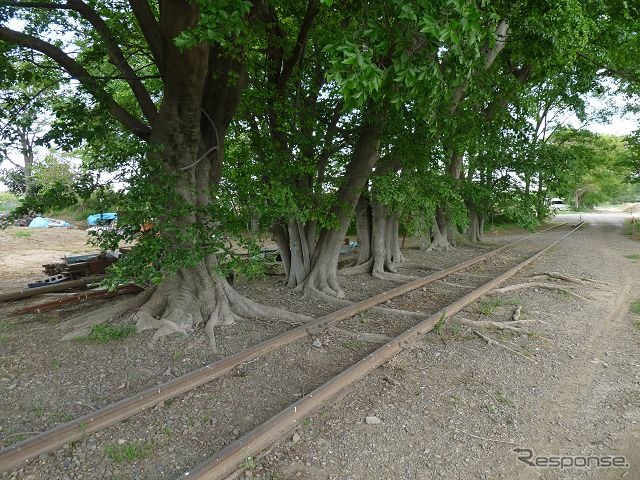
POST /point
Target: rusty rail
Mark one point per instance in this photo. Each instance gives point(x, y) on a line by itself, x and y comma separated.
point(76, 429)
point(226, 460)
point(46, 306)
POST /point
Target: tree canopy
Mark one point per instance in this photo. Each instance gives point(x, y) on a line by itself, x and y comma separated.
point(307, 118)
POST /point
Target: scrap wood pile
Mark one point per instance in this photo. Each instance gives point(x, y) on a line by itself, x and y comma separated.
point(73, 273)
point(72, 268)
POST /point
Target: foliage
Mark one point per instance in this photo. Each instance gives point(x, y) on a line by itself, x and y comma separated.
point(14, 179)
point(8, 201)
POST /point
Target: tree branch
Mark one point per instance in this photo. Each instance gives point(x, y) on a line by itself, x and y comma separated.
point(150, 29)
point(501, 41)
point(115, 52)
point(77, 71)
point(313, 8)
point(46, 5)
point(142, 95)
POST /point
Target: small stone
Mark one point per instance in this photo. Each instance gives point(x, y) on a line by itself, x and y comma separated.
point(236, 432)
point(372, 420)
point(121, 441)
point(295, 438)
point(317, 343)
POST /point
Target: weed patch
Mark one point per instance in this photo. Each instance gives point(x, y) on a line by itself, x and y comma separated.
point(127, 452)
point(104, 333)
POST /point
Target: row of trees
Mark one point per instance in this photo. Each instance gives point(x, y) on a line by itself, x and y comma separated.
point(301, 115)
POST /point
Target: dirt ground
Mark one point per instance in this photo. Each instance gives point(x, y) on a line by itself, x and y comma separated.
point(24, 250)
point(449, 407)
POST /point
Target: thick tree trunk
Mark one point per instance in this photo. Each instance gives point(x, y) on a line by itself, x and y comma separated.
point(476, 225)
point(378, 243)
point(297, 242)
point(441, 231)
point(323, 275)
point(188, 139)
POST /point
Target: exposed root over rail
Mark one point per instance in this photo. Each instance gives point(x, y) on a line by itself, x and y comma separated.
point(547, 286)
point(567, 278)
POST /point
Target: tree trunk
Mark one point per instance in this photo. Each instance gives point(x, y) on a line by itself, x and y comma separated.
point(441, 231)
point(26, 147)
point(188, 139)
point(296, 242)
point(323, 275)
point(476, 225)
point(378, 243)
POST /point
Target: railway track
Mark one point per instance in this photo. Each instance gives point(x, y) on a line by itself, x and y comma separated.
point(227, 459)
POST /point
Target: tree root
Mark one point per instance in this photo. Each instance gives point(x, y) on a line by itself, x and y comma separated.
point(357, 269)
point(362, 336)
point(491, 341)
point(180, 304)
point(547, 286)
point(566, 278)
point(393, 277)
point(511, 326)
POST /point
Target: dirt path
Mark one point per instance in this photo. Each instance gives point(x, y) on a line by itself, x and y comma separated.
point(599, 393)
point(453, 407)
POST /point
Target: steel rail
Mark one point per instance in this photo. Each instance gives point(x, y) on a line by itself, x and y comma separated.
point(226, 460)
point(78, 298)
point(15, 455)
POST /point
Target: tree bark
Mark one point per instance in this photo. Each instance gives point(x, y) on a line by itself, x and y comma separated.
point(476, 225)
point(323, 274)
point(378, 243)
point(188, 138)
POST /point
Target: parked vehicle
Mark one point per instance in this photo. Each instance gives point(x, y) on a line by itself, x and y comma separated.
point(557, 204)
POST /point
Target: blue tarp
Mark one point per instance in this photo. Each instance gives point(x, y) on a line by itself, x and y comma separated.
point(42, 222)
point(101, 218)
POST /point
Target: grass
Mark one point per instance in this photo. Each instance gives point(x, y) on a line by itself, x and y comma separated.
point(37, 408)
point(488, 307)
point(353, 344)
point(104, 333)
point(6, 325)
point(635, 308)
point(633, 256)
point(22, 233)
point(58, 416)
point(248, 464)
point(128, 451)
